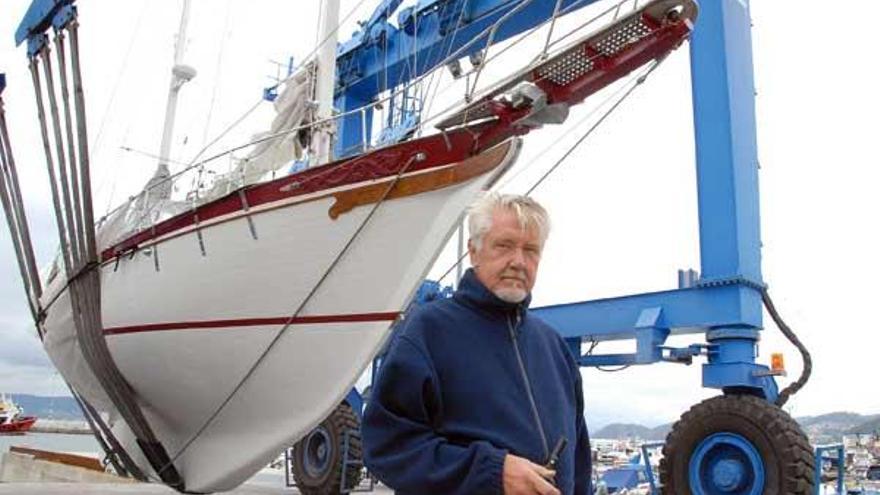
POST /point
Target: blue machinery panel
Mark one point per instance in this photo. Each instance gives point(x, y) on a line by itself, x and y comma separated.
point(725, 302)
point(41, 15)
point(381, 56)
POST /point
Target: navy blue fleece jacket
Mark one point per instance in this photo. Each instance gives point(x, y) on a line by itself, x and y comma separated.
point(452, 399)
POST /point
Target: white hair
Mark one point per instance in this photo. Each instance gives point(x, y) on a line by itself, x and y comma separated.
point(528, 211)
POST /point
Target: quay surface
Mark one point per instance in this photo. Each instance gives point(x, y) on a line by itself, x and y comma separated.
point(43, 488)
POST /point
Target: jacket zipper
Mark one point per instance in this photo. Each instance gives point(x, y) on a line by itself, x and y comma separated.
point(522, 368)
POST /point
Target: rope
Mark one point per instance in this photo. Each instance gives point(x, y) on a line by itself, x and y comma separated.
point(638, 82)
point(24, 246)
point(296, 313)
point(8, 198)
point(592, 128)
point(75, 224)
point(388, 98)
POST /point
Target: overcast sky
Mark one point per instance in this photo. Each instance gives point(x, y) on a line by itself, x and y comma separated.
point(623, 205)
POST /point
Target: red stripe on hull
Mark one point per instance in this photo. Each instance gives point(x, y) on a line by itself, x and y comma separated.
point(253, 322)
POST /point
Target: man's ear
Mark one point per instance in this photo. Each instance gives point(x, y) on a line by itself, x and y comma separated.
point(472, 252)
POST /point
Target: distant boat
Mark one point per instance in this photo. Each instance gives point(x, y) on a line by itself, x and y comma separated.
point(12, 421)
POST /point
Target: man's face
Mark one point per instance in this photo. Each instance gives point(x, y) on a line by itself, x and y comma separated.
point(507, 261)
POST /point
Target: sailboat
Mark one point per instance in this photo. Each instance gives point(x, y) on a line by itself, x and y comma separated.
point(218, 330)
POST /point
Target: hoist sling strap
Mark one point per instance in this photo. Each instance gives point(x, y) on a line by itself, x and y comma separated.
point(71, 194)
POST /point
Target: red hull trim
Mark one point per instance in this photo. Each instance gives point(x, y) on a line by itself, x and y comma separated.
point(435, 151)
point(253, 322)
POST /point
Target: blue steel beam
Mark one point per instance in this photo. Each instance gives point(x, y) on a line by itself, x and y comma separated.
point(723, 89)
point(40, 16)
point(727, 159)
point(382, 56)
point(684, 311)
point(727, 184)
point(726, 304)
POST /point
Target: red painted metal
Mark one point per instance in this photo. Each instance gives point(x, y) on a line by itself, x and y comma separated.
point(609, 69)
point(253, 322)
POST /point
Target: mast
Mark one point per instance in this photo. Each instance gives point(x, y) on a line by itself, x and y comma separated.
point(322, 135)
point(180, 74)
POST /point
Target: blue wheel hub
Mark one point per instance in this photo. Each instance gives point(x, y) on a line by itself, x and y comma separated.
point(726, 464)
point(316, 458)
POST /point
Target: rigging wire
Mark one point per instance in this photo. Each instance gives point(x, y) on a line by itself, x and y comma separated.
point(430, 103)
point(638, 82)
point(388, 98)
point(149, 155)
point(521, 5)
point(519, 40)
point(96, 144)
point(217, 71)
point(306, 61)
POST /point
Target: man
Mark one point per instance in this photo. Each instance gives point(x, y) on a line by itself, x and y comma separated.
point(475, 392)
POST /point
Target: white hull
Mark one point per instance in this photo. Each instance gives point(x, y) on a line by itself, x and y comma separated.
point(190, 331)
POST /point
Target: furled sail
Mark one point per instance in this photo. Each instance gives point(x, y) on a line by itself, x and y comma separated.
point(282, 144)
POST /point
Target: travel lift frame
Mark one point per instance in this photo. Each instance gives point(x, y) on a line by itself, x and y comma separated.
point(750, 442)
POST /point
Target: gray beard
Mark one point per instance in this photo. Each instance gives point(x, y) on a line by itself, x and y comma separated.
point(514, 296)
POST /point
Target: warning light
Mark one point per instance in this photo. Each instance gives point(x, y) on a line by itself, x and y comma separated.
point(777, 362)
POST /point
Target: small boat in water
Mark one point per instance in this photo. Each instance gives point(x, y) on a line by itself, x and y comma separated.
point(12, 418)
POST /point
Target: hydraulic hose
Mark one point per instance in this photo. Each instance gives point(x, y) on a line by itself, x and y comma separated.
point(793, 387)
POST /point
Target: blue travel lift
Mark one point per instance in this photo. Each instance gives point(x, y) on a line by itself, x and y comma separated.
point(739, 442)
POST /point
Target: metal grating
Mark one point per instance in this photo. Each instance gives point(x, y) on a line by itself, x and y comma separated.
point(624, 35)
point(568, 67)
point(478, 111)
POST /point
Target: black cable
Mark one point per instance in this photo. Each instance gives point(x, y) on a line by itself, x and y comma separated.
point(793, 387)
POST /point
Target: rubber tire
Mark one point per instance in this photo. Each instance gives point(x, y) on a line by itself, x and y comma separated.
point(784, 448)
point(341, 419)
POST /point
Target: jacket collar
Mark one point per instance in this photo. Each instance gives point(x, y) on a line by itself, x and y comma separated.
point(473, 293)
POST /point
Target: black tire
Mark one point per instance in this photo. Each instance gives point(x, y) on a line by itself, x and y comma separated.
point(770, 433)
point(317, 458)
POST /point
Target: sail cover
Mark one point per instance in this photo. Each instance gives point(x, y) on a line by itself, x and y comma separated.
point(274, 154)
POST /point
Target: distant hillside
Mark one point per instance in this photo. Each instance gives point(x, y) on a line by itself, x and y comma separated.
point(48, 407)
point(833, 418)
point(825, 428)
point(830, 427)
point(870, 426)
point(625, 430)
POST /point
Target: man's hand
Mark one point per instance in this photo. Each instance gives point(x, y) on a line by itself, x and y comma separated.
point(523, 477)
